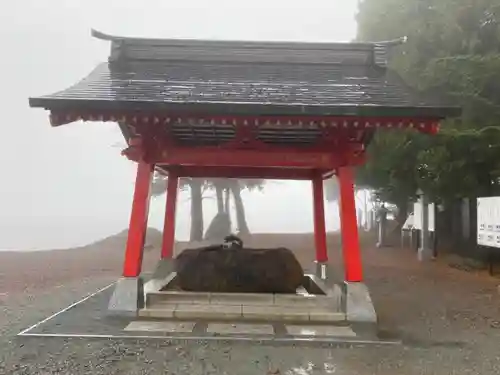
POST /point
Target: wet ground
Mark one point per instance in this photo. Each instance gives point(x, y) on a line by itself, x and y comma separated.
point(88, 318)
point(448, 321)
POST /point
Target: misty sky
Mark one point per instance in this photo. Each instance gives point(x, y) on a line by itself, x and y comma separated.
point(68, 186)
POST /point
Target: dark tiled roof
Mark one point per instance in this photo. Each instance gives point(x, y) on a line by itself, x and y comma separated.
point(245, 77)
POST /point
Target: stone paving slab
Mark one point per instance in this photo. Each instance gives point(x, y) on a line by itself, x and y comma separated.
point(250, 329)
point(239, 329)
point(158, 326)
point(312, 331)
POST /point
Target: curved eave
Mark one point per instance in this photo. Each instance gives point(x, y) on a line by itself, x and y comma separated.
point(235, 109)
point(281, 123)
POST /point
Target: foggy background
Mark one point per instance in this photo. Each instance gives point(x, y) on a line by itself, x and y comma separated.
point(69, 186)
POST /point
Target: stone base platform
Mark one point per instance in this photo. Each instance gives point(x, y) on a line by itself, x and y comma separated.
point(88, 318)
point(320, 301)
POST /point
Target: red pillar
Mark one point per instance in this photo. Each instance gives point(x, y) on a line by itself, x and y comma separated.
point(167, 248)
point(349, 227)
point(138, 221)
point(319, 220)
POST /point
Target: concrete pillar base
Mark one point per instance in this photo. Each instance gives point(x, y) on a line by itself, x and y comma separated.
point(127, 298)
point(360, 312)
point(164, 268)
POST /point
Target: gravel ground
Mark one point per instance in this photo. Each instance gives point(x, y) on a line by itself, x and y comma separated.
point(448, 319)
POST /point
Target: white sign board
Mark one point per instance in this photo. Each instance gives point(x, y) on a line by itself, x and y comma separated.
point(417, 216)
point(408, 225)
point(488, 221)
point(432, 217)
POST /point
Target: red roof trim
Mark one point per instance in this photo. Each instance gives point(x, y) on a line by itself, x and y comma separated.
point(426, 125)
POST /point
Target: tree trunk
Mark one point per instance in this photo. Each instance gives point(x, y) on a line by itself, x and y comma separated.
point(196, 210)
point(240, 209)
point(401, 216)
point(227, 208)
point(227, 199)
point(219, 191)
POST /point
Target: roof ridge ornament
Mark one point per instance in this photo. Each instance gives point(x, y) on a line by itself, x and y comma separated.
point(382, 50)
point(393, 42)
point(103, 36)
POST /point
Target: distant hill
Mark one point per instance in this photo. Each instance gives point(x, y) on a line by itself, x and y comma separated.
point(119, 240)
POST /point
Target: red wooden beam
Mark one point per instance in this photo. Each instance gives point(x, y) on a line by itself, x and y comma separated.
point(245, 172)
point(293, 158)
point(210, 157)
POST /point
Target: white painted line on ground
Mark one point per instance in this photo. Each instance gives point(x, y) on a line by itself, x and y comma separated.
point(25, 332)
point(221, 338)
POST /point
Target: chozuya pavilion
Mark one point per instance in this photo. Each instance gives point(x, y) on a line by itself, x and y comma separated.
point(238, 109)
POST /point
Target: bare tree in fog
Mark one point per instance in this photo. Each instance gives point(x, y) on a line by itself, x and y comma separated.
point(223, 188)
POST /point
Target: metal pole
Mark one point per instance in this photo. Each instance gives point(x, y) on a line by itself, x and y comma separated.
point(365, 211)
point(424, 252)
point(382, 219)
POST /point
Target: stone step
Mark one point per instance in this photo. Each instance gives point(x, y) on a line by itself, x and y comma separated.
point(189, 311)
point(163, 298)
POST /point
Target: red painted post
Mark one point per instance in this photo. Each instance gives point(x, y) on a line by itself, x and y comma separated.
point(319, 220)
point(349, 226)
point(138, 221)
point(167, 248)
